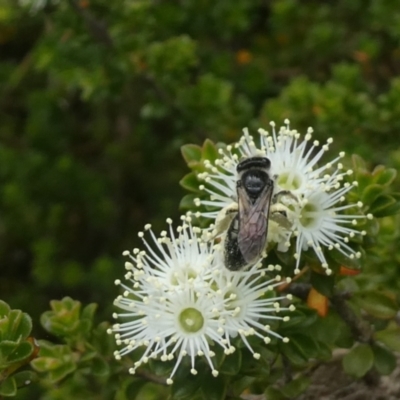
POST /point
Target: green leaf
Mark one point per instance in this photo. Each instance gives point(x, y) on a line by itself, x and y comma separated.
point(190, 182)
point(214, 388)
point(191, 152)
point(219, 357)
point(25, 378)
point(210, 151)
point(384, 360)
point(14, 319)
point(7, 347)
point(390, 209)
point(130, 388)
point(307, 344)
point(372, 227)
point(294, 351)
point(296, 387)
point(4, 308)
point(379, 208)
point(186, 386)
point(21, 352)
point(100, 367)
point(377, 171)
point(358, 361)
point(299, 320)
point(45, 364)
point(239, 384)
point(370, 193)
point(160, 368)
point(390, 337)
point(251, 366)
point(324, 351)
point(358, 162)
point(25, 327)
point(322, 283)
point(327, 330)
point(386, 177)
point(89, 354)
point(57, 360)
point(274, 394)
point(60, 373)
point(89, 311)
point(14, 324)
point(84, 327)
point(377, 304)
point(63, 320)
point(101, 340)
point(232, 363)
point(341, 259)
point(187, 202)
point(66, 304)
point(8, 388)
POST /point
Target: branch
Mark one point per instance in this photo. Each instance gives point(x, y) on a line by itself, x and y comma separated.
point(360, 329)
point(299, 290)
point(148, 376)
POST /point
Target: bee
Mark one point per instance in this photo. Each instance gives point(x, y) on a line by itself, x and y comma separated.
point(246, 234)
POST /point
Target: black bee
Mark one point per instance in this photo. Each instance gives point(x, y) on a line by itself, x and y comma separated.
point(246, 236)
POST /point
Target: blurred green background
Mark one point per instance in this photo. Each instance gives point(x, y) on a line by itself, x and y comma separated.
point(97, 96)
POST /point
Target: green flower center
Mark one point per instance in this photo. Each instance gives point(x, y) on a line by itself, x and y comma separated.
point(191, 320)
point(308, 215)
point(186, 273)
point(289, 181)
point(230, 303)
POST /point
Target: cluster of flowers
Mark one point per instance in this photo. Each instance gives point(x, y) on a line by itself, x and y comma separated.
point(179, 299)
point(311, 195)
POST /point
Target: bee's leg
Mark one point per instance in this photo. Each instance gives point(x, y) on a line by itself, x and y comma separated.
point(279, 213)
point(276, 196)
point(224, 219)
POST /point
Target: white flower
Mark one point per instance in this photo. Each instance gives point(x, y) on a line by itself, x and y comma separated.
point(308, 204)
point(170, 325)
point(319, 222)
point(170, 308)
point(250, 298)
point(175, 301)
point(170, 260)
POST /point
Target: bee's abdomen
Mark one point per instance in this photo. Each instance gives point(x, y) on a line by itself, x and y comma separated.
point(234, 259)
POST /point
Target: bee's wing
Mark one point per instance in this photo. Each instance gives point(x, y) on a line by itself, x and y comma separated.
point(253, 222)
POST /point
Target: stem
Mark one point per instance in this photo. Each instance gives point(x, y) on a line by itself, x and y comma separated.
point(285, 285)
point(287, 370)
point(151, 377)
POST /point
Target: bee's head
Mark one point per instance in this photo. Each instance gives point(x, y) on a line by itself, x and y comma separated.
point(253, 174)
point(258, 163)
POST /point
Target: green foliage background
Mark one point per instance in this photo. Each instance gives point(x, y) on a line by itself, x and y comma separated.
point(98, 96)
